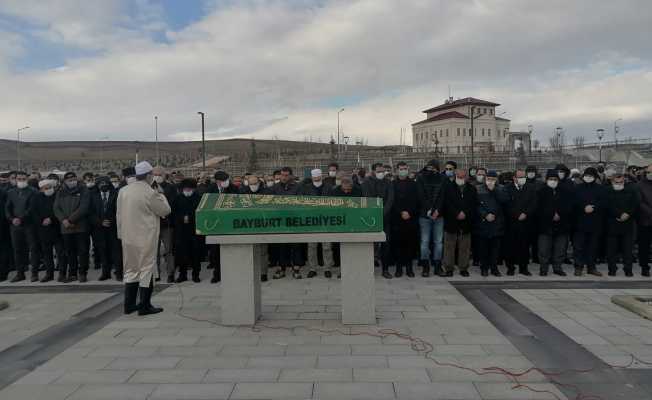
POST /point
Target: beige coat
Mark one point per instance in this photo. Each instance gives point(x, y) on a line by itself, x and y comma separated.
point(139, 212)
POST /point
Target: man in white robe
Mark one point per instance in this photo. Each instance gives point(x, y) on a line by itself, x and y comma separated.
point(139, 212)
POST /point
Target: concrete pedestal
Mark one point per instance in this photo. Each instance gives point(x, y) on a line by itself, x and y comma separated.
point(241, 259)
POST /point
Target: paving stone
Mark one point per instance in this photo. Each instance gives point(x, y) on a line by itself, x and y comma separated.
point(506, 391)
point(290, 340)
point(212, 362)
point(169, 376)
point(340, 391)
point(438, 390)
point(459, 350)
point(390, 349)
point(272, 391)
point(187, 351)
point(344, 339)
point(168, 341)
point(76, 363)
point(228, 340)
point(37, 392)
point(122, 351)
point(242, 375)
point(90, 377)
point(319, 349)
point(265, 350)
point(144, 363)
point(391, 375)
point(352, 362)
point(39, 377)
point(192, 391)
point(316, 375)
point(113, 392)
point(283, 362)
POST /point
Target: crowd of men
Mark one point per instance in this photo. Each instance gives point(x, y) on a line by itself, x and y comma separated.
point(441, 218)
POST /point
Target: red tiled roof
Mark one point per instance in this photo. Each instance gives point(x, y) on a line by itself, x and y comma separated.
point(468, 101)
point(452, 114)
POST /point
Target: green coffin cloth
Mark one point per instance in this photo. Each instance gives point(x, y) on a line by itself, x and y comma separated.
point(246, 214)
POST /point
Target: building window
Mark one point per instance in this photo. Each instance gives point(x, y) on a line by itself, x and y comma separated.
point(458, 149)
point(458, 131)
point(482, 131)
point(491, 111)
point(484, 110)
point(446, 132)
point(489, 132)
point(464, 132)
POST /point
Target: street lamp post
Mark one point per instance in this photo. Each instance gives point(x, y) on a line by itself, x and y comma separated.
point(600, 133)
point(203, 142)
point(338, 132)
point(103, 138)
point(158, 154)
point(616, 131)
point(18, 144)
point(559, 131)
point(473, 117)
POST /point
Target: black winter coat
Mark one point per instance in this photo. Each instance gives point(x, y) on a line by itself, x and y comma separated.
point(285, 189)
point(43, 207)
point(355, 192)
point(19, 204)
point(431, 188)
point(491, 202)
point(590, 194)
point(459, 199)
point(523, 200)
point(383, 188)
point(550, 202)
point(619, 202)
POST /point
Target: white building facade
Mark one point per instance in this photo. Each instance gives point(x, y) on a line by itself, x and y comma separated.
point(447, 128)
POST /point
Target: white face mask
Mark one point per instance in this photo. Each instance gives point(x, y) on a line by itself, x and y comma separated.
point(588, 179)
point(338, 182)
point(224, 184)
point(531, 175)
point(90, 184)
point(552, 184)
point(521, 181)
point(115, 184)
point(277, 181)
point(561, 175)
point(618, 187)
point(380, 175)
point(460, 182)
point(479, 178)
point(188, 193)
point(317, 183)
point(246, 183)
point(158, 179)
point(131, 180)
point(254, 188)
point(491, 185)
point(270, 183)
point(48, 192)
point(332, 174)
point(21, 184)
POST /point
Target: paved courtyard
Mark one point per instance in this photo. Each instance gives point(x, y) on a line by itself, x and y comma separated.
point(435, 339)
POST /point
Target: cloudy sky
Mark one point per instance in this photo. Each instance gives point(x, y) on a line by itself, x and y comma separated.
point(87, 69)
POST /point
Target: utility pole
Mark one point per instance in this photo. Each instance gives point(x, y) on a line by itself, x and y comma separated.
point(338, 132)
point(158, 154)
point(600, 133)
point(616, 131)
point(473, 117)
point(203, 142)
point(18, 144)
point(102, 139)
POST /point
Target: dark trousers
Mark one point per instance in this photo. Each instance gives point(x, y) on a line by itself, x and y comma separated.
point(76, 245)
point(623, 243)
point(100, 248)
point(188, 252)
point(585, 245)
point(552, 250)
point(291, 254)
point(273, 255)
point(26, 250)
point(489, 251)
point(5, 253)
point(51, 242)
point(475, 249)
point(644, 238)
point(518, 245)
point(214, 260)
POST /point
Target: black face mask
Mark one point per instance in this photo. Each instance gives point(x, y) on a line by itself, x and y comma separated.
point(105, 188)
point(600, 169)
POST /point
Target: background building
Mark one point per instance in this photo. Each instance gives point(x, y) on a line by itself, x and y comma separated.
point(447, 128)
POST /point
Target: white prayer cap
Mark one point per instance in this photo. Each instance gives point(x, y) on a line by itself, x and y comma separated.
point(45, 182)
point(315, 173)
point(143, 168)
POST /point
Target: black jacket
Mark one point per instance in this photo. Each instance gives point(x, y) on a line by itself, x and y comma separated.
point(593, 194)
point(459, 199)
point(285, 189)
point(619, 202)
point(405, 199)
point(491, 202)
point(73, 205)
point(550, 202)
point(355, 192)
point(100, 211)
point(521, 200)
point(19, 204)
point(185, 206)
point(43, 207)
point(373, 187)
point(431, 189)
point(308, 189)
point(261, 190)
